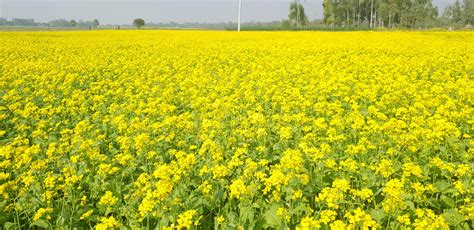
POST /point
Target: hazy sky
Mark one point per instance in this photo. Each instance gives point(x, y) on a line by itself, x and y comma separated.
point(124, 11)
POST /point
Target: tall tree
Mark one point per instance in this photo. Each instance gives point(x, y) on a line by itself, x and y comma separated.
point(454, 12)
point(73, 23)
point(371, 13)
point(468, 12)
point(328, 12)
point(297, 15)
point(374, 13)
point(139, 23)
point(96, 22)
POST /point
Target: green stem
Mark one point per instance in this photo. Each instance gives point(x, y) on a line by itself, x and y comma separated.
point(73, 208)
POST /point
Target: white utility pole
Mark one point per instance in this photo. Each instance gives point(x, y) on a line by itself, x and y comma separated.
point(238, 20)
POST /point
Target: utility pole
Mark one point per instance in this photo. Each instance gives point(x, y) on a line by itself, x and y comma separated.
point(240, 11)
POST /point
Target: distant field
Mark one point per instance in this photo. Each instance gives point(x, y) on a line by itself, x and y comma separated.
point(27, 29)
point(34, 28)
point(230, 28)
point(220, 130)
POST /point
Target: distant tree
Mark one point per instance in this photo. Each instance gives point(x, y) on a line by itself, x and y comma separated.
point(454, 12)
point(468, 12)
point(460, 13)
point(297, 15)
point(73, 23)
point(96, 22)
point(285, 24)
point(59, 23)
point(139, 23)
point(328, 12)
point(387, 12)
point(377, 13)
point(23, 22)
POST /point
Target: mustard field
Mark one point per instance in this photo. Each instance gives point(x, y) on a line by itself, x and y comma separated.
point(220, 130)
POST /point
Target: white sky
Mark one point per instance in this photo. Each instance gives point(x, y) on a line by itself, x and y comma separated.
point(124, 11)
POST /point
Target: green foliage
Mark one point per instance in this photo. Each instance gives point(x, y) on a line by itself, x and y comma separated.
point(271, 218)
point(460, 14)
point(139, 23)
point(379, 13)
point(73, 23)
point(297, 15)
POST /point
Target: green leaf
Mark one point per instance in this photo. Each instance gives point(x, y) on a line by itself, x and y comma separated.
point(232, 217)
point(442, 186)
point(377, 214)
point(453, 217)
point(40, 223)
point(202, 201)
point(256, 205)
point(247, 214)
point(299, 208)
point(411, 205)
point(465, 226)
point(433, 203)
point(448, 202)
point(9, 225)
point(271, 218)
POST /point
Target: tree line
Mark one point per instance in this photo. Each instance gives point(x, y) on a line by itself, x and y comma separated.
point(377, 13)
point(352, 14)
point(385, 13)
point(461, 13)
point(60, 23)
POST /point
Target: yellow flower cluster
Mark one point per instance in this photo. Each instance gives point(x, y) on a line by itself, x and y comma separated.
point(334, 195)
point(256, 130)
point(427, 219)
point(238, 189)
point(41, 212)
point(108, 199)
point(107, 223)
point(185, 219)
point(362, 219)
